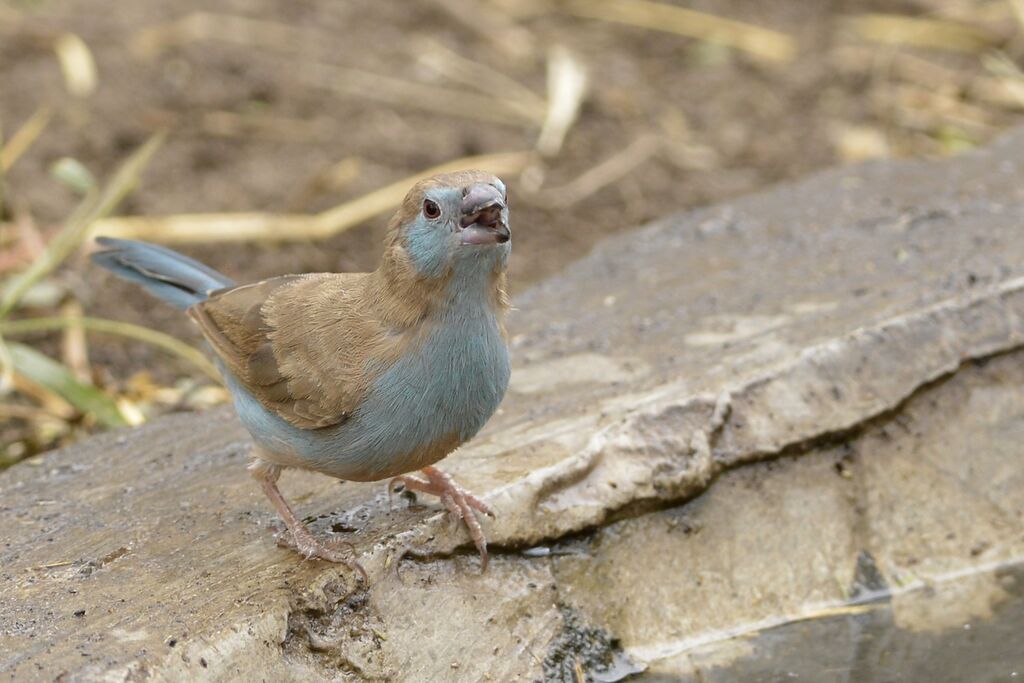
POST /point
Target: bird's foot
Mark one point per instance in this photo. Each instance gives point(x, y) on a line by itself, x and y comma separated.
point(460, 503)
point(335, 550)
point(298, 537)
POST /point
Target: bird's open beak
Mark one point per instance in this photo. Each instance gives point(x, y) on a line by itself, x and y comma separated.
point(483, 216)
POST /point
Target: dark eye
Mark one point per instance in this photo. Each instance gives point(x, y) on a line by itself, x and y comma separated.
point(431, 209)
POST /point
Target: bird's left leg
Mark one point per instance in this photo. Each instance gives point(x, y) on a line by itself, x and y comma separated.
point(301, 539)
point(460, 502)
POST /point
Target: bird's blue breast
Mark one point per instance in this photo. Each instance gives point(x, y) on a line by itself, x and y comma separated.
point(443, 390)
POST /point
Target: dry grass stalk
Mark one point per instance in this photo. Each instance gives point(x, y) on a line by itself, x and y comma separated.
point(854, 143)
point(597, 178)
point(567, 87)
point(77, 64)
point(28, 133)
point(238, 227)
point(936, 34)
point(49, 376)
point(1009, 77)
point(98, 203)
point(25, 412)
point(50, 402)
point(579, 675)
point(210, 227)
point(758, 41)
point(165, 342)
point(74, 345)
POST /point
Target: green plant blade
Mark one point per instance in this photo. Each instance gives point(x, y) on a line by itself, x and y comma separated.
point(163, 341)
point(54, 377)
point(96, 204)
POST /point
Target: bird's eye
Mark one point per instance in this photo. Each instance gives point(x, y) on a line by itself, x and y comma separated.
point(431, 209)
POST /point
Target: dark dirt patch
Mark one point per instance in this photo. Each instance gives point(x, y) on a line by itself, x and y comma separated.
point(582, 652)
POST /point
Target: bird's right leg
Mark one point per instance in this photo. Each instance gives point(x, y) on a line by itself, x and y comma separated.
point(301, 539)
point(460, 502)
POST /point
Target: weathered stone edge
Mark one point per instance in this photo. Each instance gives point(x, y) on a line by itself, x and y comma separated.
point(675, 442)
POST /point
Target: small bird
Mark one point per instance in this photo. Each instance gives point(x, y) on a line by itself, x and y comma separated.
point(361, 376)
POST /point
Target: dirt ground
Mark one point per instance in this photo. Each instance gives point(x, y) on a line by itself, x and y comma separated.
point(254, 125)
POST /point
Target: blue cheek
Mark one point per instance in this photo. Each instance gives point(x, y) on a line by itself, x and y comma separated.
point(427, 245)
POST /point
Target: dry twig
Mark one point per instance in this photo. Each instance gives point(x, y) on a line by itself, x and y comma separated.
point(604, 174)
point(74, 345)
point(238, 227)
point(29, 132)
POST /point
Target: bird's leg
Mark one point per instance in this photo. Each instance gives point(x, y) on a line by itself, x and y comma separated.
point(267, 473)
point(460, 502)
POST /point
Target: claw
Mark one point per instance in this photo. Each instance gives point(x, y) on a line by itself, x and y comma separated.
point(457, 500)
point(298, 536)
point(310, 548)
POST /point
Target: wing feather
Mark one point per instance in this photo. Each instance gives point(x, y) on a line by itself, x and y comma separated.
point(299, 343)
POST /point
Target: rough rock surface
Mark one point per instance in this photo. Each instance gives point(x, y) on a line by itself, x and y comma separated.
point(832, 364)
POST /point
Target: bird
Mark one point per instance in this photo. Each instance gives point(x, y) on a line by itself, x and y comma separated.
point(361, 376)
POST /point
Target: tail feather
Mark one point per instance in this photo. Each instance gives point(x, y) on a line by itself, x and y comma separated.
point(168, 275)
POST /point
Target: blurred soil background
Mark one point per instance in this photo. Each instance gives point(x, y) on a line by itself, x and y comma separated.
point(600, 115)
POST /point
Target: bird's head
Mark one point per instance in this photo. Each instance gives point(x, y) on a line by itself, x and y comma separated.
point(452, 217)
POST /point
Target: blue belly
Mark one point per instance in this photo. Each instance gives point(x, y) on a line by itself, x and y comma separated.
point(449, 387)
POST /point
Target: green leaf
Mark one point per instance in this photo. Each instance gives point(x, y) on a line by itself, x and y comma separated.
point(54, 377)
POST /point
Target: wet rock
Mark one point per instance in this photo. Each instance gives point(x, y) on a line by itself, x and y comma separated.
point(827, 372)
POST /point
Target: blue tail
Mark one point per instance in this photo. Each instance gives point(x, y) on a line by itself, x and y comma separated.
point(166, 274)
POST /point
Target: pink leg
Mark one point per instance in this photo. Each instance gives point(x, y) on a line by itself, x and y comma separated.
point(460, 502)
point(298, 536)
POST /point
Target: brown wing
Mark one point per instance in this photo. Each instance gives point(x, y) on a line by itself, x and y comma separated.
point(298, 343)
